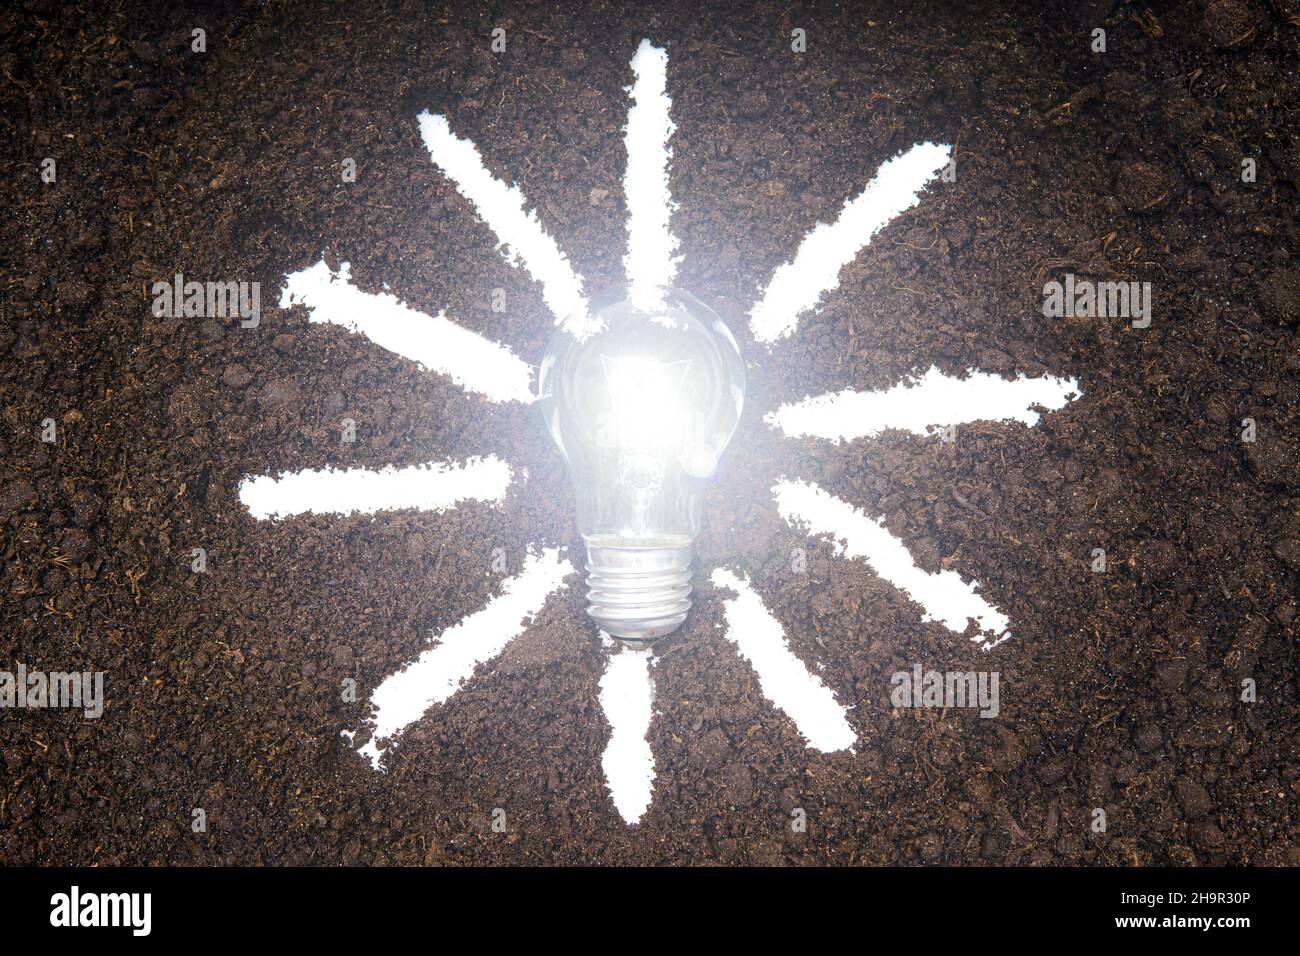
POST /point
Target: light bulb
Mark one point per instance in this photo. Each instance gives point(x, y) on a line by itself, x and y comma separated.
point(641, 393)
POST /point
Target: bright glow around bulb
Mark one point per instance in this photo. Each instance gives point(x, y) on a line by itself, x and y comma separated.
point(642, 394)
point(641, 411)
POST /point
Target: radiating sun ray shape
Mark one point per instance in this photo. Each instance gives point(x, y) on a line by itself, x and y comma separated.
point(490, 370)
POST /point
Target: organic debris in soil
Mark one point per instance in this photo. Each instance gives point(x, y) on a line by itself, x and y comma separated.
point(1120, 691)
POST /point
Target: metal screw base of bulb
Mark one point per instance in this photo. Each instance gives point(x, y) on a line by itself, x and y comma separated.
point(638, 594)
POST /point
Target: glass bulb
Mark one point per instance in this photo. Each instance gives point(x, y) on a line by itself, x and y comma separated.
point(641, 394)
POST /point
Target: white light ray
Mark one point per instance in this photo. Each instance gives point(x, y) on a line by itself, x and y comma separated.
point(432, 487)
point(626, 688)
point(627, 698)
point(798, 285)
point(650, 262)
point(915, 403)
point(502, 208)
point(435, 342)
point(945, 597)
point(438, 672)
point(786, 682)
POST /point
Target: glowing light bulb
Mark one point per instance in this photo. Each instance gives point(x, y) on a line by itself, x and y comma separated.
point(641, 394)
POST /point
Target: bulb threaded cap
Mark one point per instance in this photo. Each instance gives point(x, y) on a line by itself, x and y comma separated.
point(638, 594)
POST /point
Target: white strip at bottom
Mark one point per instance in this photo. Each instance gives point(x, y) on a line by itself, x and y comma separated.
point(627, 698)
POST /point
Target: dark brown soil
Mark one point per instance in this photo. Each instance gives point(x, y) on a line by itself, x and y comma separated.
point(1119, 690)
